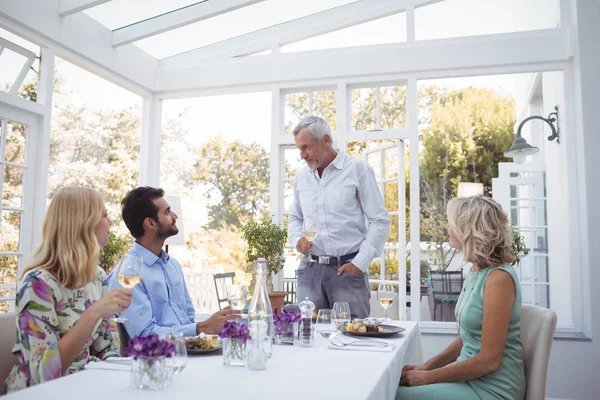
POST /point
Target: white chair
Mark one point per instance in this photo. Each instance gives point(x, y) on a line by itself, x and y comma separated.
point(8, 336)
point(537, 333)
point(378, 311)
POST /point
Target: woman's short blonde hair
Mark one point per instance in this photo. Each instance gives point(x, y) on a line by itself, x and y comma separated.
point(69, 249)
point(482, 228)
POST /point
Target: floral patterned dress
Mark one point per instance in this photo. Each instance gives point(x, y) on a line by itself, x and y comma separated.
point(46, 312)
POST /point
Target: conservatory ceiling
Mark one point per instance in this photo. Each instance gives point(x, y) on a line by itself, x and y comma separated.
point(162, 46)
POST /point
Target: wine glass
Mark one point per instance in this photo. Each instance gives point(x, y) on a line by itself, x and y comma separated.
point(385, 296)
point(179, 359)
point(324, 324)
point(129, 273)
point(341, 313)
point(237, 296)
point(310, 229)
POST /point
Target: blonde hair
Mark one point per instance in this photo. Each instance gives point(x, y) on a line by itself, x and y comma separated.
point(69, 249)
point(481, 226)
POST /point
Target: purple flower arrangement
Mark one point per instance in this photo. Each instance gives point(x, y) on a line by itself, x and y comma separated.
point(149, 347)
point(235, 330)
point(284, 320)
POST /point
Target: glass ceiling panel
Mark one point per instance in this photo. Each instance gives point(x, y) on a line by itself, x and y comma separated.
point(235, 23)
point(119, 13)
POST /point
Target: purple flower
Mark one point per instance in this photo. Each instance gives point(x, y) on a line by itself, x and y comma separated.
point(149, 347)
point(235, 330)
point(283, 321)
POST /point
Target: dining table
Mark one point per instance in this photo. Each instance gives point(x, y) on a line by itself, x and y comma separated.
point(293, 372)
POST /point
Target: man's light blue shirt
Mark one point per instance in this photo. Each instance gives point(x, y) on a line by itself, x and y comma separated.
point(161, 302)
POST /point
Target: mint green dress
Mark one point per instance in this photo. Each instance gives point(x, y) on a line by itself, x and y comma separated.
point(508, 381)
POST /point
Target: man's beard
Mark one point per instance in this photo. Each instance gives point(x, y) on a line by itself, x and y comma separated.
point(165, 231)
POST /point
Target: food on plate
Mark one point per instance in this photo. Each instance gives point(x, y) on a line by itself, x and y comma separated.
point(358, 325)
point(205, 343)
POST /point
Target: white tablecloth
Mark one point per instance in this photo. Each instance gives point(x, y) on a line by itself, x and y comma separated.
point(292, 373)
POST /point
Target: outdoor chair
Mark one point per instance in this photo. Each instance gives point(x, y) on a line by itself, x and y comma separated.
point(222, 283)
point(446, 287)
point(537, 333)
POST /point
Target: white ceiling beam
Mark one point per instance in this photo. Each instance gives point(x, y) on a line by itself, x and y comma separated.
point(70, 7)
point(513, 49)
point(302, 28)
point(176, 19)
point(81, 40)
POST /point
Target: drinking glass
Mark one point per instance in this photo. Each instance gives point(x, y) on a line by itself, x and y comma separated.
point(237, 296)
point(324, 324)
point(129, 273)
point(385, 296)
point(179, 359)
point(310, 229)
point(341, 313)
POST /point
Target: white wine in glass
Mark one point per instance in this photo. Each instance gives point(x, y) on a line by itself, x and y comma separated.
point(129, 282)
point(309, 235)
point(309, 228)
point(129, 273)
point(385, 296)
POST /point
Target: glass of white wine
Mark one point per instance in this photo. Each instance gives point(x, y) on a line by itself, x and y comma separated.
point(309, 228)
point(385, 296)
point(129, 273)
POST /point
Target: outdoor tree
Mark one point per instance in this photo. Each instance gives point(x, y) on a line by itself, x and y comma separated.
point(237, 179)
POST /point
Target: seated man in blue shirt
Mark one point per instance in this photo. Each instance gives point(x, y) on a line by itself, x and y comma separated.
point(161, 302)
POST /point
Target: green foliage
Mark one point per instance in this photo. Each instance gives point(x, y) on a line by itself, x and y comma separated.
point(237, 177)
point(113, 251)
point(519, 247)
point(391, 268)
point(265, 239)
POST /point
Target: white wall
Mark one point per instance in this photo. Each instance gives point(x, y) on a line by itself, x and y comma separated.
point(574, 368)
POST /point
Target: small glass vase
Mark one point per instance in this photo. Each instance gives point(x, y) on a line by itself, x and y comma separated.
point(234, 352)
point(287, 334)
point(151, 373)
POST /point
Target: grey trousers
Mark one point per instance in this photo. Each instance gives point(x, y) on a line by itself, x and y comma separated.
point(322, 285)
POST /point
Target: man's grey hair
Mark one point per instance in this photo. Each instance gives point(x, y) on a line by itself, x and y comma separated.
point(316, 126)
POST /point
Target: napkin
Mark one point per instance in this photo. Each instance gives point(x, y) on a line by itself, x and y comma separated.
point(342, 342)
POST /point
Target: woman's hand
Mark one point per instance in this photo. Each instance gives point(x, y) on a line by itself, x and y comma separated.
point(415, 375)
point(116, 300)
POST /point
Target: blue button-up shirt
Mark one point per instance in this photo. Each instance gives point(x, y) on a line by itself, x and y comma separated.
point(161, 302)
point(341, 202)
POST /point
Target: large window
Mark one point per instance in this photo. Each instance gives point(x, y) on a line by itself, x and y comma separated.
point(215, 157)
point(95, 140)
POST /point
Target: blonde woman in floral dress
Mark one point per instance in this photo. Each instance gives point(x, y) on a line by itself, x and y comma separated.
point(62, 315)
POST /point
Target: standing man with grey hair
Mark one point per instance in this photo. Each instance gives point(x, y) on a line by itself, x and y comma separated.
point(332, 197)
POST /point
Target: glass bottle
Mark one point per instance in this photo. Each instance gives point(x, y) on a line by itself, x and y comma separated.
point(260, 306)
point(257, 356)
point(306, 328)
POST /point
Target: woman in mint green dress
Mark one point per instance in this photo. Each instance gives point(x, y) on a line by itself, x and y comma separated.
point(486, 360)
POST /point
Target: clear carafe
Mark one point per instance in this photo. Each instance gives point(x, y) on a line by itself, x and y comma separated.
point(260, 306)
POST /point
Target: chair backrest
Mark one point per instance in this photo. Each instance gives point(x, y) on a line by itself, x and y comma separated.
point(537, 332)
point(378, 311)
point(124, 338)
point(446, 282)
point(222, 283)
point(8, 337)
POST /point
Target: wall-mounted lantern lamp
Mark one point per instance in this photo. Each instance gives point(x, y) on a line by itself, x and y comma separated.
point(521, 149)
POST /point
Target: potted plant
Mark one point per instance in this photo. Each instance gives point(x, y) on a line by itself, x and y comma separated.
point(266, 239)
